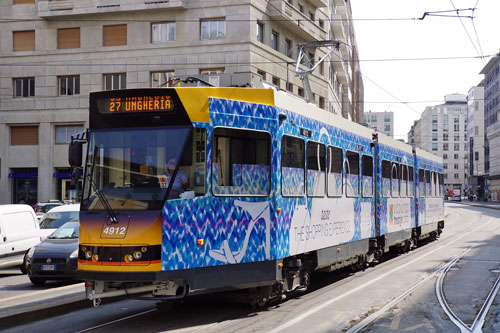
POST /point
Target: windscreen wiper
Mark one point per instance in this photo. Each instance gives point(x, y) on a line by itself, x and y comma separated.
point(104, 201)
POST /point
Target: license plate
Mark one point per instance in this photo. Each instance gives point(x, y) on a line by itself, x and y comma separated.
point(48, 267)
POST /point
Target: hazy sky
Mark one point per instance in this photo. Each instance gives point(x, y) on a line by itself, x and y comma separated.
point(388, 37)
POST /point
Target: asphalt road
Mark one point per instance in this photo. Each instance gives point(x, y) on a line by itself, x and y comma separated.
point(448, 285)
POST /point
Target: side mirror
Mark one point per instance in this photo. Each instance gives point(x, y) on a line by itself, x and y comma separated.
point(75, 154)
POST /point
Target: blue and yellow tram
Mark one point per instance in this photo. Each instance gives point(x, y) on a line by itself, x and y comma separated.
point(195, 189)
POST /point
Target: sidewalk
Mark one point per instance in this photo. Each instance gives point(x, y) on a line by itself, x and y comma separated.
point(491, 205)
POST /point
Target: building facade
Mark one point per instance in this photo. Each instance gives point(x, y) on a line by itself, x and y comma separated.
point(492, 126)
point(54, 53)
point(442, 130)
point(476, 134)
point(380, 121)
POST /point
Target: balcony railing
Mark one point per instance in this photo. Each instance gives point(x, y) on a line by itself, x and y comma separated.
point(54, 8)
point(294, 20)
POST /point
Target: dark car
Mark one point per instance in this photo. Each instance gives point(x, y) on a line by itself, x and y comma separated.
point(56, 257)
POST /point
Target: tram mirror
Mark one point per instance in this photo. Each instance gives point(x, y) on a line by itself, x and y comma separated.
point(75, 176)
point(75, 154)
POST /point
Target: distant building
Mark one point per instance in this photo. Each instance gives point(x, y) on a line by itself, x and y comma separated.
point(54, 53)
point(441, 130)
point(492, 126)
point(380, 121)
point(476, 135)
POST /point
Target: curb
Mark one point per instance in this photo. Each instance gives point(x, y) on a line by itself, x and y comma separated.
point(497, 207)
point(27, 313)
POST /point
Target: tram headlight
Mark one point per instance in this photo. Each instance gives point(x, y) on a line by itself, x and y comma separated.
point(88, 254)
point(95, 257)
point(144, 249)
point(129, 258)
point(137, 255)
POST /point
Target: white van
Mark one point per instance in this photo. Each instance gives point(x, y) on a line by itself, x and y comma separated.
point(19, 231)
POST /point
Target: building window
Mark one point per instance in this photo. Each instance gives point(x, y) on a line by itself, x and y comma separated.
point(24, 135)
point(311, 16)
point(321, 103)
point(211, 71)
point(24, 40)
point(24, 87)
point(455, 175)
point(445, 156)
point(434, 136)
point(300, 92)
point(434, 146)
point(115, 81)
point(162, 32)
point(213, 28)
point(68, 38)
point(445, 146)
point(69, 85)
point(456, 137)
point(445, 166)
point(288, 48)
point(445, 136)
point(301, 8)
point(260, 32)
point(321, 24)
point(289, 87)
point(455, 156)
point(115, 35)
point(274, 40)
point(456, 146)
point(64, 133)
point(321, 67)
point(160, 79)
point(276, 81)
point(387, 128)
point(262, 74)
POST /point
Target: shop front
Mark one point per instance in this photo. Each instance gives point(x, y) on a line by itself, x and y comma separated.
point(24, 185)
point(65, 191)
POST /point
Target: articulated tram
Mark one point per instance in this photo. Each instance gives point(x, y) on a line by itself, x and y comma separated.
point(194, 189)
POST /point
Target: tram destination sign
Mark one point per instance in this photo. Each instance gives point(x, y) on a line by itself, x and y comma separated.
point(135, 104)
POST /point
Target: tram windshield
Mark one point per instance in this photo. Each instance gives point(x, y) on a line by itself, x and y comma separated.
point(131, 169)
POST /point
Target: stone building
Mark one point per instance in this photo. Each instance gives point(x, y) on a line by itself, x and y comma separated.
point(54, 53)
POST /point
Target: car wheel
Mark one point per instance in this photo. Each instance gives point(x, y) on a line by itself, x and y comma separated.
point(23, 266)
point(37, 281)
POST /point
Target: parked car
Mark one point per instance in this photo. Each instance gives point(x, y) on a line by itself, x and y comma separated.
point(56, 217)
point(43, 207)
point(19, 232)
point(56, 258)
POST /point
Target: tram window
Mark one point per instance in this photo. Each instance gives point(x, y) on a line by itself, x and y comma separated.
point(241, 162)
point(395, 180)
point(427, 183)
point(404, 181)
point(367, 173)
point(352, 174)
point(435, 185)
point(421, 183)
point(386, 178)
point(316, 166)
point(335, 160)
point(411, 188)
point(292, 166)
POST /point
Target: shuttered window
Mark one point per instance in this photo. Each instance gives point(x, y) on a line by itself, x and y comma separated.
point(68, 38)
point(24, 40)
point(115, 35)
point(24, 135)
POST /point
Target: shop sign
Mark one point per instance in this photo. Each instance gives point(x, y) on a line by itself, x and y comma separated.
point(33, 174)
point(64, 174)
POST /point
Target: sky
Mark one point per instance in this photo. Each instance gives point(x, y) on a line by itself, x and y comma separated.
point(407, 64)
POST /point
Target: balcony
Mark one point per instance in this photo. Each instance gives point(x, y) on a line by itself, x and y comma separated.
point(319, 3)
point(59, 8)
point(295, 21)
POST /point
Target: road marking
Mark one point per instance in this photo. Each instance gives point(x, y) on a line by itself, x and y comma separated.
point(361, 287)
point(116, 321)
point(41, 292)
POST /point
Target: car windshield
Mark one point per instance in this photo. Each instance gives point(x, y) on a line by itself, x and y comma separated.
point(53, 220)
point(126, 168)
point(68, 230)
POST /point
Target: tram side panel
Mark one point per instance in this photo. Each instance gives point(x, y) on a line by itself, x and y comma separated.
point(233, 224)
point(395, 204)
point(325, 206)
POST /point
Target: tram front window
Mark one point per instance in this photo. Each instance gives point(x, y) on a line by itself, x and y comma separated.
point(127, 169)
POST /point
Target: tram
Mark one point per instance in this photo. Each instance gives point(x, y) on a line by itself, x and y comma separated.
point(198, 189)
